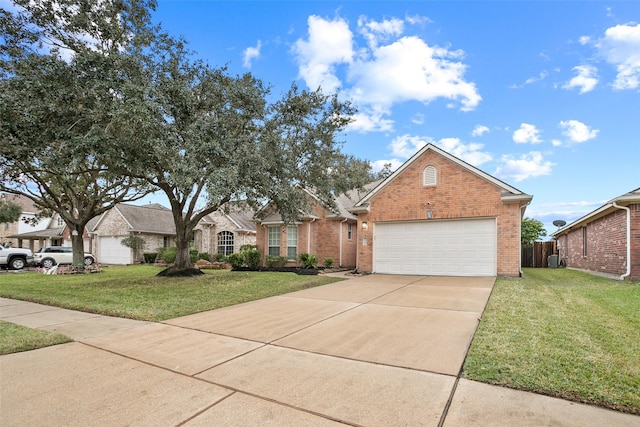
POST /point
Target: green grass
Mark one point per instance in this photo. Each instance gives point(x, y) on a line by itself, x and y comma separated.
point(562, 333)
point(135, 292)
point(15, 338)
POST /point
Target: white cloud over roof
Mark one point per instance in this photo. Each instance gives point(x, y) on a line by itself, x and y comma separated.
point(405, 146)
point(479, 130)
point(525, 166)
point(387, 69)
point(527, 133)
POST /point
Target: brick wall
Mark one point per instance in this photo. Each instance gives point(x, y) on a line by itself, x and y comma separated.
point(457, 194)
point(606, 249)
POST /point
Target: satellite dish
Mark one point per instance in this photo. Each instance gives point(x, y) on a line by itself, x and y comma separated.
point(559, 223)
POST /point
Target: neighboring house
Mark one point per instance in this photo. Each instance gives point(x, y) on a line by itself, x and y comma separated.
point(216, 233)
point(36, 232)
point(606, 240)
point(435, 215)
point(320, 231)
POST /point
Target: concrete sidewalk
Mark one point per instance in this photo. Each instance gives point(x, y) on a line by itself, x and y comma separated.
point(371, 351)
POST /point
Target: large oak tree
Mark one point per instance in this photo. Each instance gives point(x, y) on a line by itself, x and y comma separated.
point(70, 97)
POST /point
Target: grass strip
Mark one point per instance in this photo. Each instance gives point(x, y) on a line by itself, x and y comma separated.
point(562, 333)
point(135, 292)
point(16, 338)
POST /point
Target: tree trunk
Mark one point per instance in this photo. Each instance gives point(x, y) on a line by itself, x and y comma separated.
point(183, 260)
point(77, 242)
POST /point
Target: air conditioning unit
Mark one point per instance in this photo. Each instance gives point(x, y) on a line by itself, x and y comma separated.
point(552, 261)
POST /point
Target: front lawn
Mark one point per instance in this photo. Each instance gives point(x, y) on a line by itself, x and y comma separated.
point(562, 333)
point(16, 338)
point(136, 293)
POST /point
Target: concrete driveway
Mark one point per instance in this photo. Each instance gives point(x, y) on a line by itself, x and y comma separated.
point(377, 350)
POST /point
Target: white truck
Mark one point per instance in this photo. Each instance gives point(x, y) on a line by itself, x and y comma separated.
point(15, 258)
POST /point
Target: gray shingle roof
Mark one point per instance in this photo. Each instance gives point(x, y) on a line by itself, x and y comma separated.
point(153, 218)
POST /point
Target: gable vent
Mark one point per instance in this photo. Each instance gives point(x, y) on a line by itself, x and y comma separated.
point(429, 176)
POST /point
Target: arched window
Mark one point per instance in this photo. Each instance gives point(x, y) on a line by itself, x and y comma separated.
point(429, 176)
point(225, 243)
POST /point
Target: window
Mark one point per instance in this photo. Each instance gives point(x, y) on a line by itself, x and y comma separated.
point(584, 241)
point(192, 239)
point(60, 222)
point(349, 231)
point(429, 176)
point(167, 241)
point(292, 242)
point(225, 243)
point(274, 240)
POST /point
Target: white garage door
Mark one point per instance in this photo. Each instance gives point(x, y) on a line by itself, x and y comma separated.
point(110, 251)
point(438, 248)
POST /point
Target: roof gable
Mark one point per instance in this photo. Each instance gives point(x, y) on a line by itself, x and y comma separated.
point(509, 193)
point(632, 197)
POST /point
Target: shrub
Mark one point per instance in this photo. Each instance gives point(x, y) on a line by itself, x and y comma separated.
point(276, 261)
point(236, 260)
point(309, 260)
point(205, 256)
point(328, 262)
point(252, 259)
point(193, 255)
point(168, 255)
point(221, 258)
point(150, 257)
point(248, 247)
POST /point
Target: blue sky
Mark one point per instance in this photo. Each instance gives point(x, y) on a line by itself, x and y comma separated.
point(543, 95)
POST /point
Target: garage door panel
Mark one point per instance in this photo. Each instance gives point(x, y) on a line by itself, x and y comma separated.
point(111, 251)
point(460, 247)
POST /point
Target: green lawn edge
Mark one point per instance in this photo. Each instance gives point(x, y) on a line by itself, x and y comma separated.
point(562, 333)
point(15, 338)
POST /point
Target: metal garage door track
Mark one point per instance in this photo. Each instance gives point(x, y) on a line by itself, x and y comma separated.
point(377, 350)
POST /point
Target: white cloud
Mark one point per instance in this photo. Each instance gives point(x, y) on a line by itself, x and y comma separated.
point(470, 153)
point(479, 130)
point(418, 119)
point(541, 76)
point(405, 146)
point(389, 69)
point(526, 166)
point(330, 43)
point(586, 80)
point(620, 47)
point(375, 32)
point(379, 164)
point(577, 131)
point(583, 40)
point(250, 54)
point(364, 122)
point(527, 133)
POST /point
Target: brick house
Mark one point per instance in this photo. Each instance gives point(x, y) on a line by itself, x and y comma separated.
point(323, 232)
point(435, 215)
point(220, 232)
point(606, 240)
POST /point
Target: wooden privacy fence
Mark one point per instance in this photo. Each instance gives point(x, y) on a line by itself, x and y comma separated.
point(535, 255)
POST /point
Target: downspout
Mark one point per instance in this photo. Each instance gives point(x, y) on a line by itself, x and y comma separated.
point(628, 273)
point(309, 235)
point(341, 222)
point(522, 208)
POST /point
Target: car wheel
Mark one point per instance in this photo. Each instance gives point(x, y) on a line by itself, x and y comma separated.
point(88, 260)
point(17, 263)
point(48, 263)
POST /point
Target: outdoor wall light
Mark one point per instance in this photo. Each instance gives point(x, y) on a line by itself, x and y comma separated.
point(365, 225)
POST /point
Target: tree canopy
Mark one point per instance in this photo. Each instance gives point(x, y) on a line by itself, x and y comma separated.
point(532, 230)
point(98, 106)
point(70, 74)
point(9, 212)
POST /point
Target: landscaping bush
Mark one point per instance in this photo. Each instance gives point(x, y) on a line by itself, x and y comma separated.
point(193, 255)
point(150, 257)
point(204, 255)
point(276, 261)
point(236, 260)
point(328, 262)
point(221, 258)
point(252, 259)
point(168, 255)
point(309, 260)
